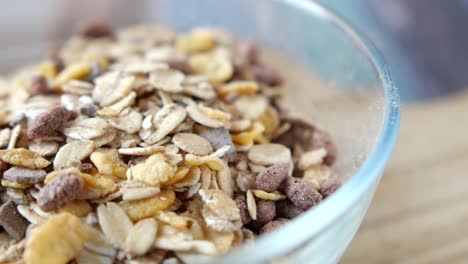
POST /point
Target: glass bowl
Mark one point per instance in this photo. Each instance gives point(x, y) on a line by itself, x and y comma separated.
point(335, 78)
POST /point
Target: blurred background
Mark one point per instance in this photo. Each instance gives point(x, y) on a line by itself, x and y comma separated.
point(419, 214)
point(424, 41)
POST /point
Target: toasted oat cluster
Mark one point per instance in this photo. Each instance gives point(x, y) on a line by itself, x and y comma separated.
point(147, 146)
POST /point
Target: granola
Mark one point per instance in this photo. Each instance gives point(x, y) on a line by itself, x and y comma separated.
point(147, 146)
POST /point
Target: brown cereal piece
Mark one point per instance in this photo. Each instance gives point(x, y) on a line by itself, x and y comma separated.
point(300, 133)
point(192, 143)
point(83, 167)
point(301, 193)
point(180, 65)
point(266, 212)
point(248, 52)
point(39, 85)
point(329, 186)
point(96, 29)
point(48, 123)
point(23, 157)
point(59, 191)
point(24, 175)
point(277, 223)
point(57, 61)
point(241, 202)
point(267, 75)
point(3, 167)
point(12, 221)
point(89, 109)
point(287, 209)
point(272, 177)
point(307, 137)
point(58, 240)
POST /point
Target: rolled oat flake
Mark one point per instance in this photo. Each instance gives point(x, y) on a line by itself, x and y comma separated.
point(269, 154)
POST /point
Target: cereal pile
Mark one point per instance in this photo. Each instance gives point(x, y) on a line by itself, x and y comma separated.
point(144, 146)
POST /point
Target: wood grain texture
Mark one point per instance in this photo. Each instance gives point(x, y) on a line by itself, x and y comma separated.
point(420, 212)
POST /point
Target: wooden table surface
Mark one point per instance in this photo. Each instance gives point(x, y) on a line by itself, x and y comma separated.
point(420, 211)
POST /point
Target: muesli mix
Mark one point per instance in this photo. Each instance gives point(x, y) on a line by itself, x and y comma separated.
point(147, 146)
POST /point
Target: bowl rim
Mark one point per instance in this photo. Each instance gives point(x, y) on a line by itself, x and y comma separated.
point(324, 215)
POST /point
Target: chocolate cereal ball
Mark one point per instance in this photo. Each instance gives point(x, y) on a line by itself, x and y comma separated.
point(301, 193)
point(272, 177)
point(270, 226)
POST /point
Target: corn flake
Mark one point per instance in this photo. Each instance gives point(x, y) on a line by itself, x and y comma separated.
point(148, 207)
point(108, 162)
point(23, 157)
point(153, 171)
point(58, 240)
